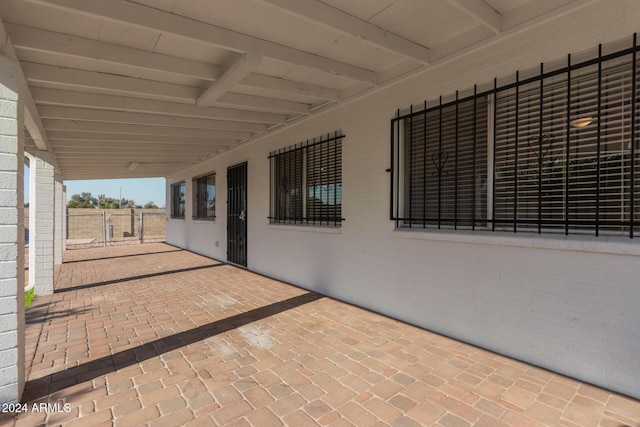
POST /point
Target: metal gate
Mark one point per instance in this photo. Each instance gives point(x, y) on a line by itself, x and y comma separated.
point(237, 214)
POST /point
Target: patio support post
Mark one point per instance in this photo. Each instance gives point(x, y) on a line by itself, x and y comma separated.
point(58, 245)
point(12, 324)
point(64, 218)
point(42, 222)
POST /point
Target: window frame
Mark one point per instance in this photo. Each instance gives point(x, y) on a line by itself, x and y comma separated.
point(177, 205)
point(197, 198)
point(614, 182)
point(306, 183)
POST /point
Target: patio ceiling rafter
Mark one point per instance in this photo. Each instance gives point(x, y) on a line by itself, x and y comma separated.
point(164, 22)
point(28, 39)
point(68, 46)
point(32, 120)
point(481, 12)
point(318, 12)
point(106, 116)
point(241, 68)
point(135, 129)
point(122, 103)
point(291, 87)
point(74, 79)
point(111, 136)
point(176, 152)
point(105, 171)
point(115, 144)
point(151, 157)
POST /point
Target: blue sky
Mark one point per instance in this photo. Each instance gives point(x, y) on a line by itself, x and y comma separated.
point(141, 190)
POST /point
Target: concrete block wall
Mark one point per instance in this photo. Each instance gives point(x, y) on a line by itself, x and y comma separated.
point(87, 223)
point(84, 224)
point(11, 235)
point(568, 304)
point(155, 222)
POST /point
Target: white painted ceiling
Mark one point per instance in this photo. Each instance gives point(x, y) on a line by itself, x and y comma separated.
point(165, 84)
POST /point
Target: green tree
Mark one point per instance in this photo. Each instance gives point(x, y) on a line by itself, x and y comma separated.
point(150, 205)
point(105, 202)
point(82, 200)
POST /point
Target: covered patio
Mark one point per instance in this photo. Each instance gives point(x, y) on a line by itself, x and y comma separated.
point(156, 334)
point(469, 167)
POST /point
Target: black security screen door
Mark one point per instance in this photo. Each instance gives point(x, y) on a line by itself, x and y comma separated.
point(237, 214)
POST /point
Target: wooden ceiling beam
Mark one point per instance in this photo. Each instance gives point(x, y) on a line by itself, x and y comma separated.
point(46, 96)
point(106, 116)
point(240, 69)
point(141, 16)
point(28, 39)
point(104, 136)
point(119, 128)
point(324, 14)
point(32, 120)
point(91, 81)
point(480, 12)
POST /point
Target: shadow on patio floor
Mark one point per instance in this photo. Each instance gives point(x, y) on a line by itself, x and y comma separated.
point(41, 387)
point(121, 256)
point(129, 279)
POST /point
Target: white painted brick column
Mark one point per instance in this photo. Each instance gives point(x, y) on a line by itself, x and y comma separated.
point(11, 235)
point(42, 222)
point(64, 219)
point(58, 245)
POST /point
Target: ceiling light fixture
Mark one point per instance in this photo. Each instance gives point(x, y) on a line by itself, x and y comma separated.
point(581, 122)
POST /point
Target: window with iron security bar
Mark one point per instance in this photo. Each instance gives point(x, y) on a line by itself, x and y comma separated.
point(178, 193)
point(204, 196)
point(556, 152)
point(306, 183)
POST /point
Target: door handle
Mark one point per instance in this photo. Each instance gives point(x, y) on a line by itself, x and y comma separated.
point(242, 215)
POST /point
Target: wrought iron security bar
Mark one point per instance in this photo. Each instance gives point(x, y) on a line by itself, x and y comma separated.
point(306, 182)
point(178, 200)
point(555, 152)
point(203, 188)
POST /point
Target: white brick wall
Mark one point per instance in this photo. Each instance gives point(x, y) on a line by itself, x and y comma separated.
point(63, 207)
point(567, 304)
point(42, 216)
point(60, 219)
point(11, 235)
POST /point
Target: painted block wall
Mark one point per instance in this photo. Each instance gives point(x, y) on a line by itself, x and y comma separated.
point(60, 210)
point(42, 223)
point(12, 340)
point(569, 304)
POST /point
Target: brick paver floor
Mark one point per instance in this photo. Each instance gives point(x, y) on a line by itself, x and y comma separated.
point(155, 335)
